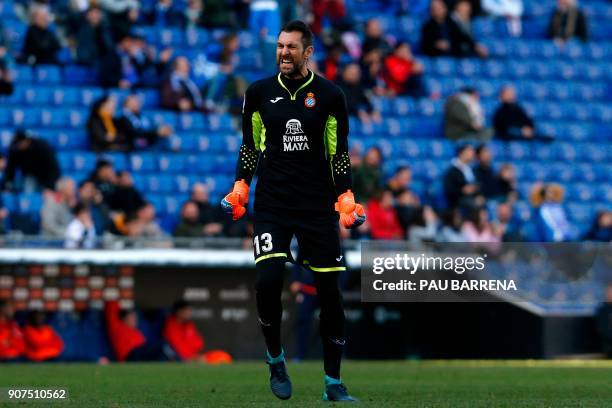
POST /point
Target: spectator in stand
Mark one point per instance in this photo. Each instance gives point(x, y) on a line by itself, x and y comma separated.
point(375, 39)
point(500, 186)
point(181, 333)
point(568, 21)
point(56, 212)
point(460, 184)
point(93, 38)
point(42, 343)
point(137, 129)
point(372, 70)
point(102, 128)
point(6, 76)
point(506, 223)
point(189, 225)
point(93, 200)
point(41, 44)
point(477, 229)
point(551, 220)
point(511, 121)
point(409, 208)
point(166, 13)
point(81, 232)
point(12, 345)
point(217, 14)
point(464, 118)
point(126, 225)
point(367, 178)
point(179, 92)
point(225, 90)
point(451, 227)
point(601, 230)
point(425, 228)
point(133, 63)
point(128, 343)
point(209, 215)
point(437, 32)
point(403, 73)
point(122, 15)
point(335, 10)
point(400, 181)
point(4, 214)
point(150, 226)
point(603, 321)
point(126, 198)
point(511, 10)
point(383, 218)
point(105, 179)
point(463, 43)
point(193, 13)
point(35, 159)
point(332, 61)
point(357, 99)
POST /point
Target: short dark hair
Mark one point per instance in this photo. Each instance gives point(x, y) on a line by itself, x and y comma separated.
point(399, 169)
point(298, 25)
point(480, 148)
point(461, 148)
point(180, 305)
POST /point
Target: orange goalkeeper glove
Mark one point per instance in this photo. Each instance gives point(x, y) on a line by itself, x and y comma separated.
point(351, 214)
point(234, 202)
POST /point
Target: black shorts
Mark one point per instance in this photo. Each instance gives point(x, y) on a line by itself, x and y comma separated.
point(318, 240)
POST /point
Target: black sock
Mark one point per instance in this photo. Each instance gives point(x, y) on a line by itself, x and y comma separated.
point(268, 288)
point(332, 321)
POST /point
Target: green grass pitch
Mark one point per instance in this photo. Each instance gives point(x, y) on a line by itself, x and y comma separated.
point(376, 384)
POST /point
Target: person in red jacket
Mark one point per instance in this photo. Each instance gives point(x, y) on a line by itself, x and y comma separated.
point(182, 335)
point(12, 345)
point(402, 73)
point(384, 222)
point(128, 343)
point(41, 340)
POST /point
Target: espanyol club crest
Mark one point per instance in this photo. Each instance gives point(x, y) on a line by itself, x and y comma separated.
point(310, 100)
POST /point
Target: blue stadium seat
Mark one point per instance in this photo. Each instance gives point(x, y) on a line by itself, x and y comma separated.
point(83, 161)
point(37, 95)
point(27, 118)
point(66, 96)
point(159, 183)
point(191, 121)
point(8, 201)
point(143, 162)
point(171, 163)
point(183, 183)
point(222, 122)
point(48, 74)
point(78, 75)
point(29, 203)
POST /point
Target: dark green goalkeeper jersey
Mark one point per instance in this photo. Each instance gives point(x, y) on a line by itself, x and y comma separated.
point(295, 135)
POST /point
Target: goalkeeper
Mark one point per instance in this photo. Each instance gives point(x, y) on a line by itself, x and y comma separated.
point(295, 128)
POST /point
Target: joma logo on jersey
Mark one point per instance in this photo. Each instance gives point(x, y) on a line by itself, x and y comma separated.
point(294, 138)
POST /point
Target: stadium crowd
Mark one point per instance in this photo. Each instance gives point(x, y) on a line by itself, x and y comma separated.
point(478, 193)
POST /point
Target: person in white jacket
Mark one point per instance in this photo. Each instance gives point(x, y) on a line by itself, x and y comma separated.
point(511, 10)
point(81, 232)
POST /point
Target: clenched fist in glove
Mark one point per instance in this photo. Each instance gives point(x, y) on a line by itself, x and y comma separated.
point(351, 214)
point(234, 202)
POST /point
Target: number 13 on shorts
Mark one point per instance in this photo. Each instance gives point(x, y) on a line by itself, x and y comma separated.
point(262, 243)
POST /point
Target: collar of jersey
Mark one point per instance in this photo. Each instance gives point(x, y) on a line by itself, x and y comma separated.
point(305, 84)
